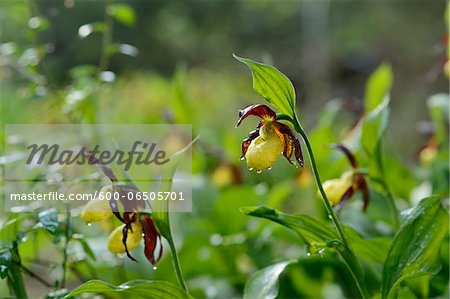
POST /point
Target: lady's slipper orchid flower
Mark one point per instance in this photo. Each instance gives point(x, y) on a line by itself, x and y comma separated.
point(341, 189)
point(137, 225)
point(270, 140)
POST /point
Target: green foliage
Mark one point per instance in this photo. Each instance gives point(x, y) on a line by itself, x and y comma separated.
point(123, 13)
point(438, 105)
point(49, 221)
point(264, 283)
point(272, 85)
point(378, 87)
point(315, 233)
point(374, 125)
point(5, 263)
point(225, 254)
point(135, 288)
point(416, 246)
point(161, 208)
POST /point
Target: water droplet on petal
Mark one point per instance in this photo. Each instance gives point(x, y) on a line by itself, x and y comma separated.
point(155, 268)
point(89, 224)
point(258, 171)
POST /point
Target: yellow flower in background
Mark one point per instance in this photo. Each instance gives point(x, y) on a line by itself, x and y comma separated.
point(97, 209)
point(136, 227)
point(428, 153)
point(225, 174)
point(134, 237)
point(339, 190)
point(270, 140)
point(336, 188)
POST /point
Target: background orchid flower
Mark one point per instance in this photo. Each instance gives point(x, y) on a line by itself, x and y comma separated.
point(270, 140)
point(97, 209)
point(137, 225)
point(340, 190)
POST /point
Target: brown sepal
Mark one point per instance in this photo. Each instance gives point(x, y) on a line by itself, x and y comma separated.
point(259, 110)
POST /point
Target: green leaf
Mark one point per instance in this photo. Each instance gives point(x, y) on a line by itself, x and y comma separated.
point(49, 220)
point(5, 263)
point(378, 86)
point(364, 247)
point(374, 125)
point(315, 233)
point(123, 13)
point(161, 207)
point(86, 248)
point(438, 105)
point(141, 288)
point(415, 249)
point(263, 284)
point(272, 85)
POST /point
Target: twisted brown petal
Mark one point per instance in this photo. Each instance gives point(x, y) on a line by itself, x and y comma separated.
point(291, 144)
point(124, 241)
point(363, 187)
point(262, 111)
point(346, 196)
point(152, 239)
point(351, 158)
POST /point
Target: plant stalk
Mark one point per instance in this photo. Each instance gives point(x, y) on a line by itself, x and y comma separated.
point(15, 278)
point(176, 265)
point(347, 254)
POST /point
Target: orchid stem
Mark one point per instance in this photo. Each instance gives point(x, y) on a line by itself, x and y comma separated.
point(347, 254)
point(176, 265)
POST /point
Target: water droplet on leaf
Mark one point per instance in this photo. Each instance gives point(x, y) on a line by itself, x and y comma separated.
point(155, 268)
point(269, 168)
point(89, 224)
point(258, 171)
point(250, 169)
point(242, 158)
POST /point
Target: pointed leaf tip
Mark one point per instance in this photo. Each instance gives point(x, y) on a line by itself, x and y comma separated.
point(272, 85)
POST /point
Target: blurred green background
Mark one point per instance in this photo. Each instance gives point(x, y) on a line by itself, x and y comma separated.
point(131, 62)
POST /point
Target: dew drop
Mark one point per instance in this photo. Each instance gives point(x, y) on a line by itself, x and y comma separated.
point(250, 169)
point(308, 253)
point(269, 168)
point(242, 158)
point(321, 251)
point(143, 235)
point(89, 224)
point(258, 171)
point(155, 268)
